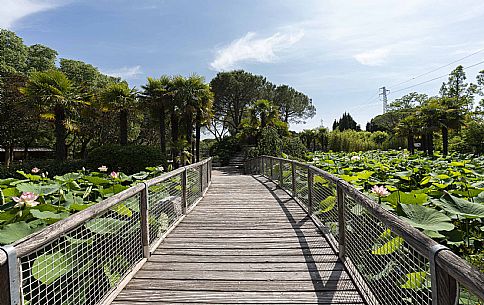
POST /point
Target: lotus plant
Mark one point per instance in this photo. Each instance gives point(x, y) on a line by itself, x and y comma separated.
point(355, 158)
point(114, 175)
point(35, 170)
point(103, 168)
point(379, 191)
point(27, 199)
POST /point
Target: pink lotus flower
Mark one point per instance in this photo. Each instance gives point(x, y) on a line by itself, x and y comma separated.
point(114, 175)
point(27, 199)
point(379, 191)
point(103, 168)
point(35, 170)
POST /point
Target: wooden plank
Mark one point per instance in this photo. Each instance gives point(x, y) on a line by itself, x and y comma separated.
point(169, 258)
point(248, 267)
point(237, 297)
point(246, 285)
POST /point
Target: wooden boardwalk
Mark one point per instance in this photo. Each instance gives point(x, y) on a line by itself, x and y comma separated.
point(245, 242)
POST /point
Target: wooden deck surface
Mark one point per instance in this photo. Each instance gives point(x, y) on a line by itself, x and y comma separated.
point(245, 242)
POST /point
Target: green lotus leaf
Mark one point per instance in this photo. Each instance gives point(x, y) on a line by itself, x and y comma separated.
point(48, 268)
point(416, 280)
point(105, 225)
point(461, 207)
point(426, 218)
point(389, 247)
point(327, 204)
point(15, 231)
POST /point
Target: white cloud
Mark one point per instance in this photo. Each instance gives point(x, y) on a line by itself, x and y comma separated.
point(374, 57)
point(125, 72)
point(13, 10)
point(251, 48)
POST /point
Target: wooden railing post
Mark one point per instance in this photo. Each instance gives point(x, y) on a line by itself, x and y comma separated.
point(145, 228)
point(280, 174)
point(9, 277)
point(310, 191)
point(445, 290)
point(184, 192)
point(341, 222)
point(293, 179)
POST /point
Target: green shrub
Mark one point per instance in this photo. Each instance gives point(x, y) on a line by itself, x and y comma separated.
point(270, 142)
point(293, 147)
point(128, 159)
point(224, 150)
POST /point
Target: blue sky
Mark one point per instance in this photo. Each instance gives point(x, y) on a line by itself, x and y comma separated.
point(337, 52)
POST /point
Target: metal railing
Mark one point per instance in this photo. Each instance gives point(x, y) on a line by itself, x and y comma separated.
point(88, 257)
point(390, 261)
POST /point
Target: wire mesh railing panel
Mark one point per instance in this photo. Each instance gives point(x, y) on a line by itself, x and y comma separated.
point(204, 169)
point(302, 189)
point(275, 171)
point(193, 185)
point(468, 298)
point(267, 167)
point(324, 203)
point(164, 206)
point(287, 176)
point(389, 269)
point(85, 264)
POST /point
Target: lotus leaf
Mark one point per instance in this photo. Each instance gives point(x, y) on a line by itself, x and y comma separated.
point(461, 207)
point(426, 218)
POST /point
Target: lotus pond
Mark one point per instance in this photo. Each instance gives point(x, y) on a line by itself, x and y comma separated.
point(441, 196)
point(30, 204)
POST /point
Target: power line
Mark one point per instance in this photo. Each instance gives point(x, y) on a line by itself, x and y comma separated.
point(436, 69)
point(436, 78)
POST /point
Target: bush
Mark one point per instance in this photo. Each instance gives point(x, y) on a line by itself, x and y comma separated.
point(270, 143)
point(294, 147)
point(128, 159)
point(224, 150)
point(53, 167)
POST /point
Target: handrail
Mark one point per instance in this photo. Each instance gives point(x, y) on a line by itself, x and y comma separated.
point(450, 268)
point(185, 186)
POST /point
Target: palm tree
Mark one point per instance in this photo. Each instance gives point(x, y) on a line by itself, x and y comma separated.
point(119, 97)
point(159, 92)
point(204, 115)
point(55, 96)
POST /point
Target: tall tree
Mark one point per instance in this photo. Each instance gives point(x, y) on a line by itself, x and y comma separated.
point(346, 122)
point(234, 92)
point(159, 93)
point(294, 106)
point(40, 58)
point(13, 53)
point(119, 97)
point(56, 98)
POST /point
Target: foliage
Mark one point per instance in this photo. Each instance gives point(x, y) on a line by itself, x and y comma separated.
point(270, 142)
point(129, 159)
point(59, 197)
point(442, 196)
point(223, 150)
point(346, 122)
point(52, 167)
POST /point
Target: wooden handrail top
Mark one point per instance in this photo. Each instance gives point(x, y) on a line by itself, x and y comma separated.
point(454, 265)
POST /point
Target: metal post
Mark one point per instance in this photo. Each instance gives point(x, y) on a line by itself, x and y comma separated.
point(341, 221)
point(9, 278)
point(293, 178)
point(280, 174)
point(310, 191)
point(145, 228)
point(184, 192)
point(445, 290)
